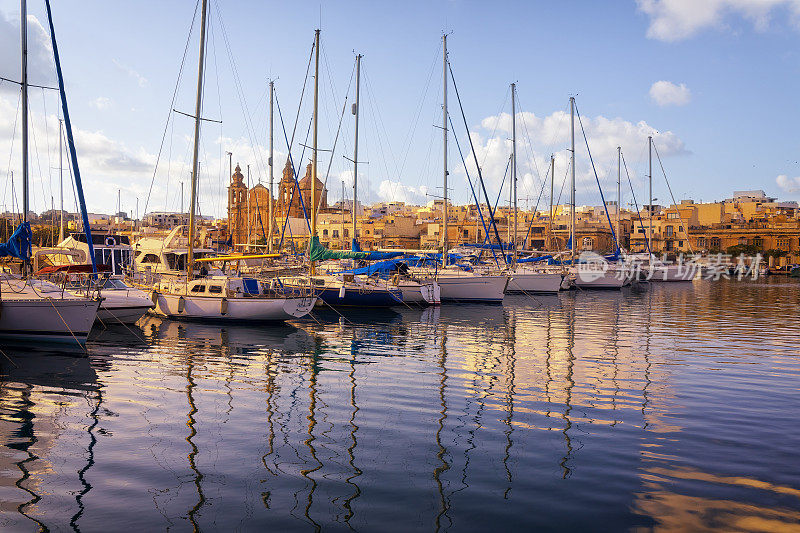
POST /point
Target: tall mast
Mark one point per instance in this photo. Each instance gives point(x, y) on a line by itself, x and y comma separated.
point(197, 111)
point(552, 179)
point(271, 174)
point(444, 131)
point(514, 164)
point(572, 177)
point(249, 218)
point(619, 195)
point(61, 179)
point(356, 109)
point(650, 207)
point(23, 24)
point(314, 146)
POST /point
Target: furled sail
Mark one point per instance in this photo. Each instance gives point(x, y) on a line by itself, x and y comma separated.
point(19, 245)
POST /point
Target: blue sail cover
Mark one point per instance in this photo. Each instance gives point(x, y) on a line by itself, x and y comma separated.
point(374, 256)
point(381, 268)
point(534, 259)
point(19, 245)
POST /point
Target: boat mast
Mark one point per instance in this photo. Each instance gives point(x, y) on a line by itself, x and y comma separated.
point(23, 24)
point(271, 166)
point(61, 178)
point(650, 206)
point(314, 147)
point(572, 177)
point(514, 165)
point(444, 131)
point(197, 110)
point(552, 179)
point(249, 218)
point(356, 110)
point(619, 195)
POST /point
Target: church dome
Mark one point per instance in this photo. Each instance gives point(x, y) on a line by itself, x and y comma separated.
point(305, 183)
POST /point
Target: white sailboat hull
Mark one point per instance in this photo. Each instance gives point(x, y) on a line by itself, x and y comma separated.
point(530, 281)
point(473, 288)
point(587, 278)
point(426, 293)
point(671, 273)
point(47, 319)
point(232, 309)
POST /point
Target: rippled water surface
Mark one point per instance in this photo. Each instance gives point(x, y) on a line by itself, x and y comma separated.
point(676, 409)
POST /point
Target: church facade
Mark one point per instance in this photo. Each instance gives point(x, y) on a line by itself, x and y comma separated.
point(248, 209)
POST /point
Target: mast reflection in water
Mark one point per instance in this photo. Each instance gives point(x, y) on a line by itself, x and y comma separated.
point(674, 408)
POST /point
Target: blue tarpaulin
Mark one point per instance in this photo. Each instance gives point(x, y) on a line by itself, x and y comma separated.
point(534, 259)
point(19, 245)
point(380, 268)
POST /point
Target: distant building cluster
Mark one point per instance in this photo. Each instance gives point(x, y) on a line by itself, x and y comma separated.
point(749, 222)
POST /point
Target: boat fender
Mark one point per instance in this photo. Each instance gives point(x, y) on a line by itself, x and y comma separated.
point(181, 304)
point(223, 306)
point(341, 291)
point(154, 296)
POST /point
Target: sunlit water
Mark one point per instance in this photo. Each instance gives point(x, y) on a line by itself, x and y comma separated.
point(676, 409)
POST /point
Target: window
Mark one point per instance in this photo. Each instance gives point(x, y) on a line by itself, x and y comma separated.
point(680, 244)
point(742, 240)
point(668, 245)
point(668, 231)
point(466, 233)
point(324, 233)
point(701, 242)
point(199, 288)
point(215, 289)
point(673, 215)
point(715, 243)
point(784, 243)
point(588, 242)
point(758, 242)
point(336, 234)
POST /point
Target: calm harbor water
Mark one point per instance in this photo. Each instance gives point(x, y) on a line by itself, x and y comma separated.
point(675, 409)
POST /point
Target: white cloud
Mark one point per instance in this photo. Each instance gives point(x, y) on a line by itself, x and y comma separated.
point(674, 20)
point(787, 184)
point(394, 191)
point(140, 80)
point(550, 134)
point(40, 63)
point(666, 93)
point(101, 103)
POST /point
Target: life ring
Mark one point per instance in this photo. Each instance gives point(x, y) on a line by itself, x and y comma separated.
point(111, 241)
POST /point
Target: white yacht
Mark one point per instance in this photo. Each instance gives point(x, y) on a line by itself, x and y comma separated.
point(533, 279)
point(38, 310)
point(229, 298)
point(167, 255)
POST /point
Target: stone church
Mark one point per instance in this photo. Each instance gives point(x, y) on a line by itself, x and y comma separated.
point(248, 209)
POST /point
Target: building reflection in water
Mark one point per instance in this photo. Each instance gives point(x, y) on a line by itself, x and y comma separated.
point(563, 410)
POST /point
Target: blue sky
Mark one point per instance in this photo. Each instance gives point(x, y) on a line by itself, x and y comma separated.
point(724, 112)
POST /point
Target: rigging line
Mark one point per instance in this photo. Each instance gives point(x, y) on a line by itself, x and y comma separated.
point(302, 94)
point(296, 183)
point(36, 151)
point(220, 186)
point(496, 123)
point(49, 157)
point(635, 203)
point(686, 227)
point(172, 104)
point(535, 210)
point(602, 197)
point(10, 156)
point(413, 128)
point(336, 138)
point(237, 83)
point(474, 195)
point(474, 155)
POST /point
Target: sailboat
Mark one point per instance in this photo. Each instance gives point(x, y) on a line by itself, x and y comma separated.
point(597, 273)
point(457, 284)
point(33, 309)
point(526, 277)
point(226, 298)
point(655, 269)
